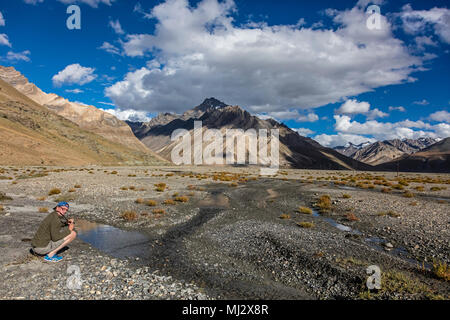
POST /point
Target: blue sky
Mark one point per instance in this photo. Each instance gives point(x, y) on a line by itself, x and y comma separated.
point(314, 65)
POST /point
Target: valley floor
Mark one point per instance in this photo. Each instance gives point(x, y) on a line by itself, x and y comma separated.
point(227, 233)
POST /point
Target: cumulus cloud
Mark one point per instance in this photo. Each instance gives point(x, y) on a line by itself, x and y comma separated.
point(116, 27)
point(353, 106)
point(440, 116)
point(388, 130)
point(129, 115)
point(199, 52)
point(310, 117)
point(4, 40)
point(304, 131)
point(420, 21)
point(74, 74)
point(92, 3)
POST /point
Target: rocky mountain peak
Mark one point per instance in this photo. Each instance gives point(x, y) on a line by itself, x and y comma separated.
point(210, 103)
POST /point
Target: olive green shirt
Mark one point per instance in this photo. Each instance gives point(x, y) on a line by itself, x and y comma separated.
point(52, 228)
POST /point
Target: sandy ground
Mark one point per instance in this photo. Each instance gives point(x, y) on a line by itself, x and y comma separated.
point(229, 238)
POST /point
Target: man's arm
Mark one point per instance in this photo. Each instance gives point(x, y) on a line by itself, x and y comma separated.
point(56, 231)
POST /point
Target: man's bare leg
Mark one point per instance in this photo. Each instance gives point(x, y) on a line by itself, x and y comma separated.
point(67, 240)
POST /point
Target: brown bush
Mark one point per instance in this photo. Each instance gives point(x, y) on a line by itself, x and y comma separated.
point(129, 215)
point(54, 191)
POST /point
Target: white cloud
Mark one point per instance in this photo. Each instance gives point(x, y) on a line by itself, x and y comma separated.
point(440, 116)
point(76, 91)
point(33, 2)
point(2, 20)
point(341, 139)
point(420, 21)
point(376, 113)
point(129, 114)
point(310, 117)
point(423, 41)
point(92, 3)
point(74, 74)
point(399, 108)
point(116, 27)
point(353, 106)
point(108, 47)
point(199, 52)
point(421, 103)
point(387, 130)
point(4, 40)
point(18, 56)
point(304, 131)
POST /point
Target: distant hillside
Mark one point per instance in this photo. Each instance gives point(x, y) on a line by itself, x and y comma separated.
point(384, 151)
point(31, 134)
point(435, 158)
point(89, 118)
point(295, 151)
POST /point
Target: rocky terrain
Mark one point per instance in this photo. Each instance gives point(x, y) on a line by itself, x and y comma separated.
point(31, 134)
point(204, 233)
point(385, 151)
point(435, 158)
point(86, 117)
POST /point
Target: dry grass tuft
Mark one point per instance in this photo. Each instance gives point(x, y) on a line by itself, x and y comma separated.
point(441, 270)
point(324, 203)
point(54, 191)
point(151, 203)
point(306, 225)
point(285, 216)
point(43, 210)
point(129, 215)
point(305, 210)
point(160, 187)
point(159, 211)
point(182, 199)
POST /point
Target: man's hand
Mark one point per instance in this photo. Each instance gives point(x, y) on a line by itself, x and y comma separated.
point(71, 224)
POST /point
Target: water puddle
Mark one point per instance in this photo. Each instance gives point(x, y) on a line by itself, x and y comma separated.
point(374, 242)
point(336, 224)
point(113, 241)
point(347, 188)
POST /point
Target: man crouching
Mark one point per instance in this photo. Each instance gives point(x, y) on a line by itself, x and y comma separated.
point(54, 233)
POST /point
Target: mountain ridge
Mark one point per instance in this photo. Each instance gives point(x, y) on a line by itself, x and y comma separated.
point(296, 151)
point(87, 117)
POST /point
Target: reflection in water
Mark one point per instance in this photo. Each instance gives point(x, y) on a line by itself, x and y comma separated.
point(116, 242)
